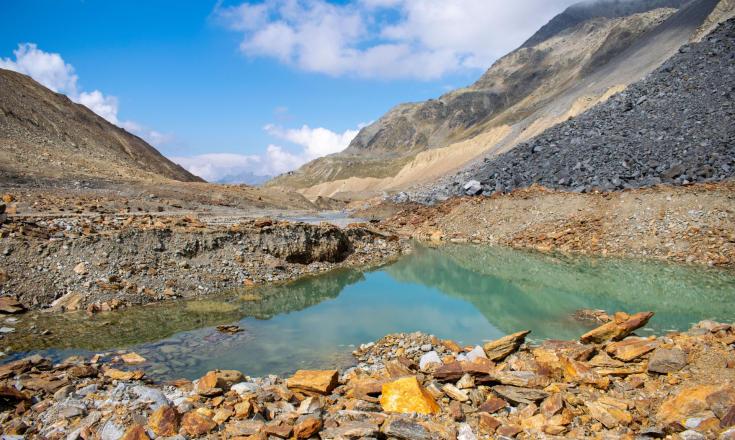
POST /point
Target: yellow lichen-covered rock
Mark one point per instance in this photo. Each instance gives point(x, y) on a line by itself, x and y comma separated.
point(406, 395)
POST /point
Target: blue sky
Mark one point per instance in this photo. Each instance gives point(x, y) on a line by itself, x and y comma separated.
point(235, 87)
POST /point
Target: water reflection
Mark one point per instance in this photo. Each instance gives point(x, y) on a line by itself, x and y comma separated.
point(466, 293)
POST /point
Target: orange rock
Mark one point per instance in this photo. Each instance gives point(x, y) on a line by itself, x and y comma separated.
point(164, 421)
point(579, 372)
point(132, 358)
point(115, 374)
point(631, 348)
point(217, 381)
point(621, 326)
point(406, 395)
point(307, 428)
point(135, 432)
point(313, 381)
point(689, 402)
point(196, 424)
point(500, 348)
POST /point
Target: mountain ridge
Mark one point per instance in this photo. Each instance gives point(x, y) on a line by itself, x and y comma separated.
point(529, 90)
point(45, 134)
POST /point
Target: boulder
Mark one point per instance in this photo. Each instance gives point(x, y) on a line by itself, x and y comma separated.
point(164, 421)
point(406, 395)
point(689, 402)
point(10, 305)
point(621, 326)
point(472, 187)
point(197, 425)
point(630, 348)
point(313, 381)
point(666, 361)
point(135, 432)
point(500, 348)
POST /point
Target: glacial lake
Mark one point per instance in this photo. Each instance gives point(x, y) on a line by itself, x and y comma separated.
point(463, 292)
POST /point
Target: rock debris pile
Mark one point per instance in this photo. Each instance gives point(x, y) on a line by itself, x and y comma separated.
point(608, 384)
point(674, 127)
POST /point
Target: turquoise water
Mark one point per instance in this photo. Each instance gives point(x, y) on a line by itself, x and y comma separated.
point(465, 293)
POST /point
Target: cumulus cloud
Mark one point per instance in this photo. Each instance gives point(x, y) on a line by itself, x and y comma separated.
point(311, 143)
point(423, 39)
point(317, 142)
point(52, 71)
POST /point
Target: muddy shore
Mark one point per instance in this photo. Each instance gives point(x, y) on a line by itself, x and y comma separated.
point(608, 384)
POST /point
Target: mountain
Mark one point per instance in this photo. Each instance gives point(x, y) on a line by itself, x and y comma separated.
point(675, 126)
point(45, 135)
point(246, 177)
point(581, 57)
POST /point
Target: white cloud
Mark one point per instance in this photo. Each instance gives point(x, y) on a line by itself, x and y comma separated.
point(52, 71)
point(235, 168)
point(212, 167)
point(105, 106)
point(423, 39)
point(317, 142)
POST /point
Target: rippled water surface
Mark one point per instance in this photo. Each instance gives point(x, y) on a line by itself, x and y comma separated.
point(466, 293)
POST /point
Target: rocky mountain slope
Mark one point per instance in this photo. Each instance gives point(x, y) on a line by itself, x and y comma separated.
point(675, 126)
point(581, 57)
point(45, 134)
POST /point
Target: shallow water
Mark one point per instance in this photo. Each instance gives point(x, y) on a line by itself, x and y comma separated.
point(466, 293)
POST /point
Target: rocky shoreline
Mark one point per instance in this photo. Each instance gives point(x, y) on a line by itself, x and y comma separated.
point(107, 261)
point(608, 384)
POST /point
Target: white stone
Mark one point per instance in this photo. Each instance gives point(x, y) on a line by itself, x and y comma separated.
point(244, 388)
point(465, 433)
point(429, 358)
point(476, 353)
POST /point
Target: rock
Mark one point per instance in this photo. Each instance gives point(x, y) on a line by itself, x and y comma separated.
point(475, 354)
point(132, 358)
point(691, 435)
point(196, 424)
point(229, 329)
point(430, 358)
point(664, 360)
point(466, 433)
point(153, 396)
point(278, 428)
point(552, 405)
point(466, 382)
point(580, 372)
point(608, 414)
point(351, 430)
point(630, 348)
point(472, 188)
point(111, 431)
point(116, 374)
point(244, 388)
point(689, 402)
point(70, 302)
point(10, 305)
point(455, 393)
point(493, 405)
point(405, 429)
point(80, 269)
point(519, 394)
point(164, 421)
point(135, 432)
point(621, 326)
point(406, 395)
point(313, 381)
point(500, 348)
point(307, 427)
point(243, 428)
point(217, 381)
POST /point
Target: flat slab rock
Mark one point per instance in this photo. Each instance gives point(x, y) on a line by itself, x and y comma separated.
point(313, 381)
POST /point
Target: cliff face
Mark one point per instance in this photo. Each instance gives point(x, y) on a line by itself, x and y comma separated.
point(45, 134)
point(528, 90)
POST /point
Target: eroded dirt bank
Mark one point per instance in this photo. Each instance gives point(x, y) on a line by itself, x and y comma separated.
point(694, 224)
point(609, 384)
point(105, 261)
